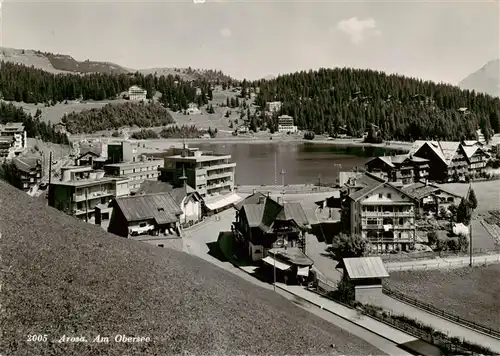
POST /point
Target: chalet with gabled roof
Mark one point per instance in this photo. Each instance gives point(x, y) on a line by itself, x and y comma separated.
point(262, 223)
point(405, 168)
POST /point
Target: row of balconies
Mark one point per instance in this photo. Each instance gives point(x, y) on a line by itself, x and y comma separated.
point(406, 226)
point(219, 175)
point(219, 185)
point(218, 166)
point(93, 195)
point(388, 213)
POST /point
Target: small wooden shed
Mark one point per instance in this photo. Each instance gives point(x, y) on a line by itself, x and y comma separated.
point(365, 275)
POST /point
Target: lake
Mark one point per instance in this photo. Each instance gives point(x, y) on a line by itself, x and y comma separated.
point(302, 162)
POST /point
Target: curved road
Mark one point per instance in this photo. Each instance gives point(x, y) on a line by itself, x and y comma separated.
point(195, 243)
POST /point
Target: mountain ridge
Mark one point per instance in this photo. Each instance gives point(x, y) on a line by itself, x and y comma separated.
point(485, 80)
point(66, 64)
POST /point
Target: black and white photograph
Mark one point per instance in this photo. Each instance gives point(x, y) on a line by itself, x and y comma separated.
point(249, 177)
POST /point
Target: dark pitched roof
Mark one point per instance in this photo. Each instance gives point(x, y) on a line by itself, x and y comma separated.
point(183, 303)
point(26, 164)
point(295, 212)
point(371, 183)
point(264, 214)
point(161, 207)
point(89, 150)
point(252, 199)
point(156, 186)
point(419, 190)
point(293, 255)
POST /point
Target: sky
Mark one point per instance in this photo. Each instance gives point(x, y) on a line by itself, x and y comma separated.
point(443, 41)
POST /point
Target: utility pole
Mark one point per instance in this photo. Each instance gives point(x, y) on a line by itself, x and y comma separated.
point(470, 228)
point(275, 170)
point(50, 167)
point(274, 262)
point(319, 182)
point(86, 206)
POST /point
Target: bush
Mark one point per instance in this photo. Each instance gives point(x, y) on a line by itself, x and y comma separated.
point(115, 134)
point(432, 238)
point(145, 134)
point(309, 135)
point(183, 131)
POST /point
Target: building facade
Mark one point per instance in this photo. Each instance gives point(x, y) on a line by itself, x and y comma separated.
point(206, 172)
point(477, 158)
point(285, 124)
point(383, 214)
point(451, 161)
point(16, 134)
point(81, 189)
point(135, 172)
point(262, 223)
point(404, 169)
point(273, 106)
point(28, 171)
point(136, 93)
point(429, 198)
point(150, 214)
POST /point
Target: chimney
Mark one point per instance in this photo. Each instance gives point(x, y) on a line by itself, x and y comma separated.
point(269, 194)
point(425, 181)
point(253, 191)
point(262, 200)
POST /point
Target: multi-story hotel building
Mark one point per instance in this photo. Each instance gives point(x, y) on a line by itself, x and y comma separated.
point(136, 172)
point(206, 172)
point(136, 93)
point(381, 213)
point(81, 189)
point(14, 133)
point(285, 124)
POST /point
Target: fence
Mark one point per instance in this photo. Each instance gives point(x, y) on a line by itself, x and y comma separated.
point(411, 327)
point(324, 285)
point(429, 255)
point(432, 309)
point(444, 264)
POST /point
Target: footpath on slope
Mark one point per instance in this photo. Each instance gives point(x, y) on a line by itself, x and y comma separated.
point(444, 325)
point(351, 315)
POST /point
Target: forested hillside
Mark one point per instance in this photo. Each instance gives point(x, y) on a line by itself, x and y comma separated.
point(34, 127)
point(321, 101)
point(115, 116)
point(403, 108)
point(30, 85)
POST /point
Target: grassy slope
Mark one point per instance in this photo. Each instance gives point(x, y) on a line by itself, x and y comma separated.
point(68, 277)
point(472, 294)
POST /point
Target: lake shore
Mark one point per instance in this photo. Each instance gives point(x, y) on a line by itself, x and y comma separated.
point(161, 144)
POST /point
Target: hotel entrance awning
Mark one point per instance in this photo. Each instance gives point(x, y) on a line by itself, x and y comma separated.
point(280, 265)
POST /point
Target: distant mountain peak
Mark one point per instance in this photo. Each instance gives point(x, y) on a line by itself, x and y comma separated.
point(484, 80)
